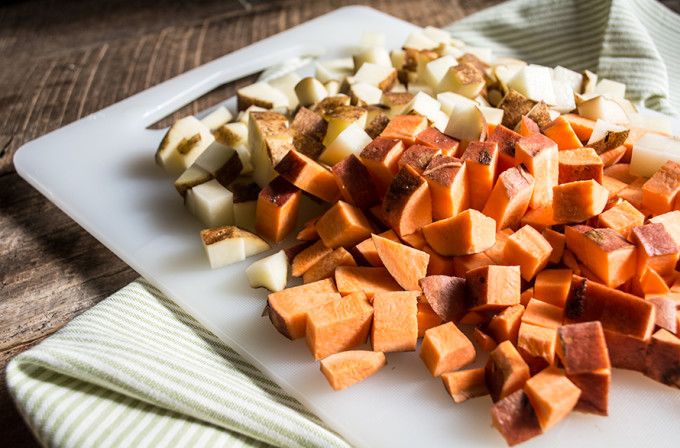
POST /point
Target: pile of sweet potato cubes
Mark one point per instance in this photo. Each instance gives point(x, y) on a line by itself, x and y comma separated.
point(533, 206)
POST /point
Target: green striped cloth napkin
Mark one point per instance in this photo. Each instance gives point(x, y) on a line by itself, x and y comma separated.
point(135, 370)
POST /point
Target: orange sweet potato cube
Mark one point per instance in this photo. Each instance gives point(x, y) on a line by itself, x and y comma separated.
point(579, 164)
point(481, 161)
point(510, 197)
point(407, 205)
point(552, 286)
point(447, 180)
point(539, 155)
point(277, 209)
point(515, 418)
point(492, 287)
point(339, 325)
point(621, 218)
point(660, 191)
point(655, 248)
point(465, 384)
point(466, 233)
point(343, 225)
point(395, 321)
point(577, 201)
point(506, 371)
point(445, 348)
point(606, 253)
point(504, 326)
point(552, 395)
point(405, 128)
point(381, 158)
point(527, 249)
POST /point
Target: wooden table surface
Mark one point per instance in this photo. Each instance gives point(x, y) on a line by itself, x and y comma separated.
point(62, 60)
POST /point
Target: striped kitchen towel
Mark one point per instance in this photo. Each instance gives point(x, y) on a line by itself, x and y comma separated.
point(135, 370)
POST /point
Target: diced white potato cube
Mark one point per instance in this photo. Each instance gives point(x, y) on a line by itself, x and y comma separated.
point(225, 245)
point(192, 176)
point(604, 108)
point(483, 53)
point(448, 99)
point(610, 88)
point(270, 272)
point(652, 151)
point(534, 82)
point(466, 122)
point(492, 115)
point(182, 144)
point(310, 91)
point(286, 84)
point(225, 252)
point(211, 203)
point(398, 57)
point(214, 157)
point(375, 55)
point(451, 50)
point(217, 118)
point(261, 94)
point(572, 78)
point(435, 70)
point(336, 69)
point(423, 104)
point(378, 75)
point(658, 123)
point(417, 40)
point(437, 34)
point(352, 140)
point(365, 94)
point(564, 96)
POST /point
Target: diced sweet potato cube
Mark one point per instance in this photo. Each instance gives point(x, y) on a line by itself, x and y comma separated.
point(538, 341)
point(465, 384)
point(427, 318)
point(405, 128)
point(616, 310)
point(527, 126)
point(288, 308)
point(582, 347)
point(621, 218)
point(381, 158)
point(603, 251)
point(446, 348)
point(308, 231)
point(466, 233)
point(439, 264)
point(309, 257)
point(492, 287)
point(436, 139)
point(671, 222)
point(515, 418)
point(395, 322)
point(663, 358)
point(325, 267)
point(447, 181)
point(542, 314)
point(650, 282)
point(527, 249)
point(504, 326)
point(308, 175)
point(510, 197)
point(626, 352)
point(346, 368)
point(338, 325)
point(579, 164)
point(343, 225)
point(552, 396)
point(578, 201)
point(660, 191)
point(552, 286)
point(407, 205)
point(495, 252)
point(582, 126)
point(277, 209)
point(655, 248)
point(406, 264)
point(484, 341)
point(446, 296)
point(633, 194)
point(557, 241)
point(560, 131)
point(355, 183)
point(594, 387)
point(539, 155)
point(481, 161)
point(665, 313)
point(370, 280)
point(505, 139)
point(540, 218)
point(614, 187)
point(506, 371)
point(465, 263)
point(366, 249)
point(418, 157)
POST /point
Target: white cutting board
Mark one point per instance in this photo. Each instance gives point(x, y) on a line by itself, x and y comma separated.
point(100, 170)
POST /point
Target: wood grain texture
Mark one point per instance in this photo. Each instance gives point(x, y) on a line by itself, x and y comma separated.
point(63, 60)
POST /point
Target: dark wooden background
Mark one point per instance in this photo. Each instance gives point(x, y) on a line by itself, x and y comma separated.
point(62, 60)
